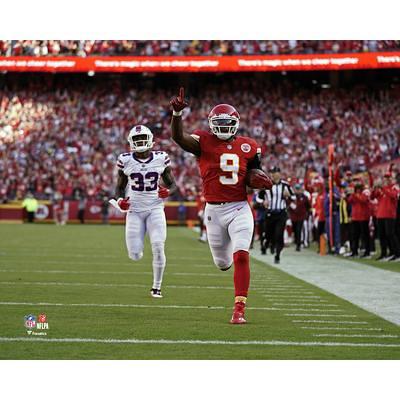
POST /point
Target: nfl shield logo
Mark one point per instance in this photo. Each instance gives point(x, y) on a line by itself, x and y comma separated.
point(30, 321)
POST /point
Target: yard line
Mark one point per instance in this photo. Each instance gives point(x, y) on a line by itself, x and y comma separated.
point(54, 271)
point(110, 285)
point(10, 303)
point(310, 309)
point(326, 328)
point(322, 315)
point(93, 255)
point(294, 291)
point(125, 263)
point(353, 336)
point(282, 296)
point(306, 304)
point(316, 321)
point(174, 306)
point(196, 342)
point(285, 287)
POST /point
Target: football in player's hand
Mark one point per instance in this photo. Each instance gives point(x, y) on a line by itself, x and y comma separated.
point(258, 179)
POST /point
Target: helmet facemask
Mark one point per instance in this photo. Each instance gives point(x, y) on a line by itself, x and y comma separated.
point(141, 141)
point(224, 126)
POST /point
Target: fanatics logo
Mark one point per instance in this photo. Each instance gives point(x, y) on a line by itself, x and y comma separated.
point(245, 147)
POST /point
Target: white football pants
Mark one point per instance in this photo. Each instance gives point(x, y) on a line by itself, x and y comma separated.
point(154, 223)
point(229, 229)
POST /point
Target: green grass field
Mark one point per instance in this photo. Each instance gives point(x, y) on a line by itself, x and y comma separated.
point(98, 304)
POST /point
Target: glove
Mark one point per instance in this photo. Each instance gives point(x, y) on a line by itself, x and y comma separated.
point(163, 192)
point(178, 103)
point(123, 203)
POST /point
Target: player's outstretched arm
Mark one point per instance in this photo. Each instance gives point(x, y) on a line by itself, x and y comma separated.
point(183, 139)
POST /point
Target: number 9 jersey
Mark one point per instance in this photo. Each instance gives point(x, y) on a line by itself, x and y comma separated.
point(143, 179)
point(223, 166)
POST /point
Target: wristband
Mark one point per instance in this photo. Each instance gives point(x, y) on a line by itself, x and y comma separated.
point(177, 113)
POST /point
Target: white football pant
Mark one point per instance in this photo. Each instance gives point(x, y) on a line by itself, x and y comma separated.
point(154, 223)
point(229, 229)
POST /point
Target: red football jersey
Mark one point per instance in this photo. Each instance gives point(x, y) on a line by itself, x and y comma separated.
point(223, 166)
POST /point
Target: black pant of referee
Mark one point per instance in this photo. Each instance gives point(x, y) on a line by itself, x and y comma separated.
point(275, 224)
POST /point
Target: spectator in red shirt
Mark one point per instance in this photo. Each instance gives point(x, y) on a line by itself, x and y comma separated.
point(387, 195)
point(360, 216)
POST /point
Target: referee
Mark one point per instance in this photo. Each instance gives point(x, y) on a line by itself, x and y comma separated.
point(275, 201)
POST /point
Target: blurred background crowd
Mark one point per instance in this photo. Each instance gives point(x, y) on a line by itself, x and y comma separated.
point(64, 133)
point(84, 48)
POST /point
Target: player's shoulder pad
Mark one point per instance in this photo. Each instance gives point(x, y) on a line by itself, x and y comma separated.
point(122, 159)
point(162, 156)
point(198, 133)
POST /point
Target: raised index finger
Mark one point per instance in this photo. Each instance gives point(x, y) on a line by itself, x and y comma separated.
point(182, 93)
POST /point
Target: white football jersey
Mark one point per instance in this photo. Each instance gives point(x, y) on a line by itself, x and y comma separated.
point(143, 179)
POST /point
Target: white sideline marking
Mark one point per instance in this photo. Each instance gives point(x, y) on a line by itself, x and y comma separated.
point(371, 288)
point(306, 304)
point(326, 328)
point(316, 321)
point(322, 315)
point(175, 306)
point(111, 285)
point(94, 272)
point(355, 335)
point(196, 342)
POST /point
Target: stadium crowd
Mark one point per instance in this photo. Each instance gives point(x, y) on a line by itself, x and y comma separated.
point(84, 48)
point(66, 137)
point(365, 208)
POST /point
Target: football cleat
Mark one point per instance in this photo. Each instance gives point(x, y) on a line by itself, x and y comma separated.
point(238, 313)
point(156, 293)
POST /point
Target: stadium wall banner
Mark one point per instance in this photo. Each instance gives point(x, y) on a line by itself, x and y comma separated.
point(300, 62)
point(176, 212)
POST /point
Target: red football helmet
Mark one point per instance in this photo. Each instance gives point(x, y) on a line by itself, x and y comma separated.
point(224, 121)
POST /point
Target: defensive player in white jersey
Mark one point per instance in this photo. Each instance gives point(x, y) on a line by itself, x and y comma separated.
point(139, 194)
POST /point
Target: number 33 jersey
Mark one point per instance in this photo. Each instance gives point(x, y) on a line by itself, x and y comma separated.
point(223, 166)
point(143, 178)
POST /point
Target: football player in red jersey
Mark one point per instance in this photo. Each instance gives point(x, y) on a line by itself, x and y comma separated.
point(224, 160)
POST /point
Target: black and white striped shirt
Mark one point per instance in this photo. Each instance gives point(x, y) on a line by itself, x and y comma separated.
point(275, 196)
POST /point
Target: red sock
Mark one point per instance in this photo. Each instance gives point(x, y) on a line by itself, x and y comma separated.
point(241, 275)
